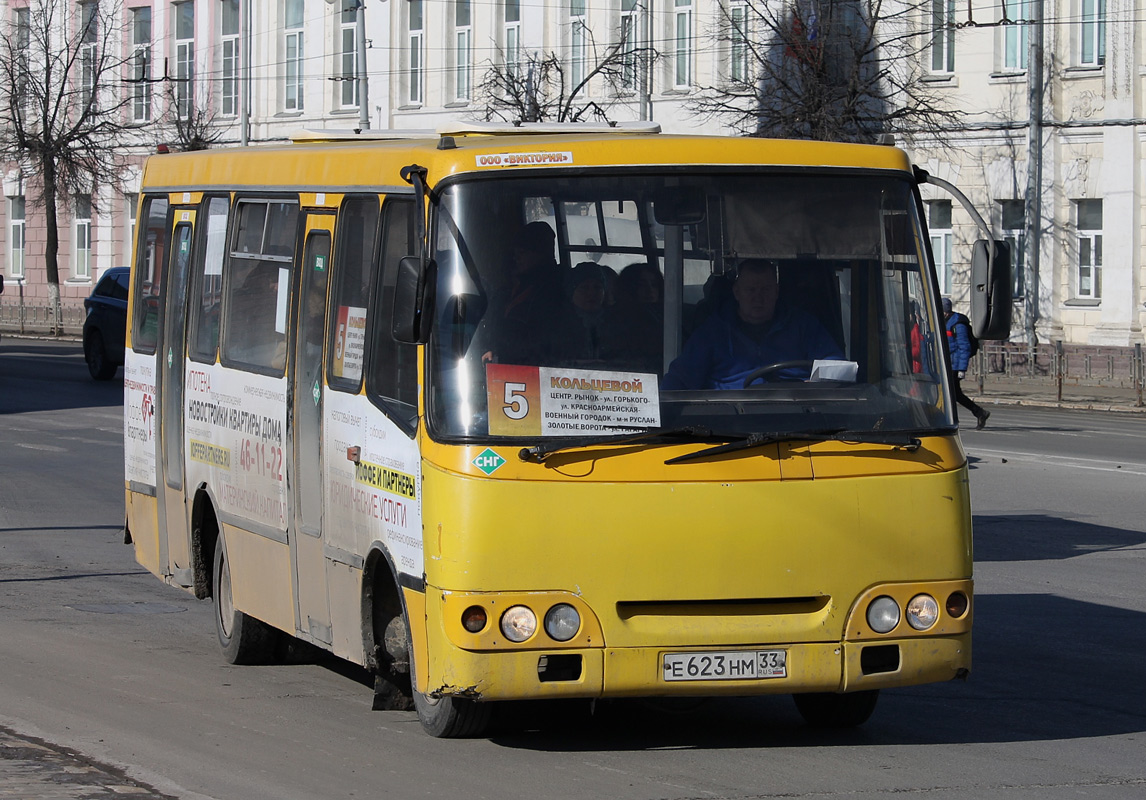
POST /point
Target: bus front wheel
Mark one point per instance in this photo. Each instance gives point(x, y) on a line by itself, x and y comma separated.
point(244, 639)
point(830, 710)
point(450, 717)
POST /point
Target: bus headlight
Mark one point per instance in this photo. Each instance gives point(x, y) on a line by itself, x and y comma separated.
point(883, 614)
point(518, 623)
point(922, 612)
point(562, 622)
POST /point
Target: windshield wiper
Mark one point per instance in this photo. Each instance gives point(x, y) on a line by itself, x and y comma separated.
point(539, 452)
point(911, 443)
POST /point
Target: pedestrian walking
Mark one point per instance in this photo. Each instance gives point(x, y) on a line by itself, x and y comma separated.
point(960, 344)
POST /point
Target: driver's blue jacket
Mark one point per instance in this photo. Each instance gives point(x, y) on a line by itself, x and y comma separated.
point(720, 354)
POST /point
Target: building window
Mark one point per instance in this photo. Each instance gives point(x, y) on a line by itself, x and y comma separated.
point(1089, 223)
point(16, 237)
point(230, 44)
point(1092, 33)
point(511, 33)
point(682, 44)
point(632, 39)
point(417, 67)
point(1015, 235)
point(184, 59)
point(463, 51)
point(82, 264)
point(943, 36)
point(738, 42)
point(348, 47)
point(131, 203)
point(293, 52)
point(89, 34)
point(942, 237)
point(141, 64)
point(578, 44)
point(1015, 35)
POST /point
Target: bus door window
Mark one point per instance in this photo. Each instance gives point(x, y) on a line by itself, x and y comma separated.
point(308, 380)
point(393, 366)
point(356, 232)
point(258, 285)
point(207, 283)
point(151, 253)
point(174, 329)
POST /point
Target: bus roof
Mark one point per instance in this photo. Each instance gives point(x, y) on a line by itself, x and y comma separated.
point(334, 161)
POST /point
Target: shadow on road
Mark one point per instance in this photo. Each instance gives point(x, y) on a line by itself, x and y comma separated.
point(1040, 537)
point(51, 376)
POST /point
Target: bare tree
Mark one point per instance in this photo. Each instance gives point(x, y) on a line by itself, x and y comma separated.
point(837, 70)
point(192, 125)
point(540, 88)
point(62, 110)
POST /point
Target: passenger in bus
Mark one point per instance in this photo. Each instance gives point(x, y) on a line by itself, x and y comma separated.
point(586, 289)
point(750, 331)
point(633, 332)
point(533, 323)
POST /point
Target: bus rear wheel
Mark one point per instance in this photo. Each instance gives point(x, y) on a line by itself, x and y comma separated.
point(451, 717)
point(244, 639)
point(830, 710)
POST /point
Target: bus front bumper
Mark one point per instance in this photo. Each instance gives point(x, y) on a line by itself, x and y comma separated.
point(641, 672)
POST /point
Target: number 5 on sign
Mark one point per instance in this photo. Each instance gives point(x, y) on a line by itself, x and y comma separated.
point(514, 396)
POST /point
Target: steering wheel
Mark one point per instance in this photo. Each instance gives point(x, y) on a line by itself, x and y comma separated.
point(779, 365)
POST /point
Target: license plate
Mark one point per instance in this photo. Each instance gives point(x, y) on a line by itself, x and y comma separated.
point(725, 665)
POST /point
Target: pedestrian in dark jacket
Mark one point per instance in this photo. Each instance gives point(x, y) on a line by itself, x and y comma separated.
point(959, 346)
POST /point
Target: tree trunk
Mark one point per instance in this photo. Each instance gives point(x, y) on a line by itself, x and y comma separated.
point(52, 249)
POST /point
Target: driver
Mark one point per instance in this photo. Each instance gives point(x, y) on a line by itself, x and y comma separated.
point(748, 332)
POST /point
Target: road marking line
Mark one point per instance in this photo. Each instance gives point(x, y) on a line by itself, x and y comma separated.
point(1095, 464)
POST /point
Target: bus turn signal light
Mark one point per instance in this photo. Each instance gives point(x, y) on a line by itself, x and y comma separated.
point(474, 619)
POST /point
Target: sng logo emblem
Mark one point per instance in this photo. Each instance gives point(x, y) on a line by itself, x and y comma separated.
point(147, 411)
point(488, 461)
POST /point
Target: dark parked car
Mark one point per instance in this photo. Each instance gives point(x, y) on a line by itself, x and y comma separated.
point(105, 323)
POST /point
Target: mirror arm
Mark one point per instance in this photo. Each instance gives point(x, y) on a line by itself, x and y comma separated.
point(415, 175)
point(923, 176)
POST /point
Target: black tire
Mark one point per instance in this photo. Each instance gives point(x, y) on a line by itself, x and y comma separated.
point(244, 639)
point(830, 710)
point(100, 366)
point(452, 717)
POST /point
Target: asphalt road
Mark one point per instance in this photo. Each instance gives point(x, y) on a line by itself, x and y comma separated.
point(98, 656)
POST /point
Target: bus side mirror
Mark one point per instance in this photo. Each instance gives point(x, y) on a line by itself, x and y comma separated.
point(413, 300)
point(991, 290)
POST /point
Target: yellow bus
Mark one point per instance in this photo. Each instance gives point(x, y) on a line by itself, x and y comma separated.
point(546, 412)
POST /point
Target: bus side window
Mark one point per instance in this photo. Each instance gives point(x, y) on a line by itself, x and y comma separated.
point(393, 366)
point(353, 259)
point(151, 253)
point(257, 285)
point(207, 282)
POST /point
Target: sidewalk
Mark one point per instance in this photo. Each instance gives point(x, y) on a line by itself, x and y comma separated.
point(31, 769)
point(1026, 392)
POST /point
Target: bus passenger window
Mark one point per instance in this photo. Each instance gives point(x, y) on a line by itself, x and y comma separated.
point(151, 255)
point(393, 366)
point(257, 286)
point(353, 259)
point(207, 283)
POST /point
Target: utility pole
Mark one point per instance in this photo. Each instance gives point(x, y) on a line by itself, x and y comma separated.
point(645, 64)
point(363, 81)
point(1033, 206)
point(245, 101)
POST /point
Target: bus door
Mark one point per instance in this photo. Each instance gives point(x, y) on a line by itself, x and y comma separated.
point(313, 606)
point(174, 553)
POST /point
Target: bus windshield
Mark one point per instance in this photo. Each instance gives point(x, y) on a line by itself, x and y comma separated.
point(746, 302)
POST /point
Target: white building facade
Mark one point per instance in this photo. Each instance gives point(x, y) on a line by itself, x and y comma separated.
point(253, 72)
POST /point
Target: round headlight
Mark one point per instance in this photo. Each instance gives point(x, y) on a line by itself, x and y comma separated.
point(562, 622)
point(883, 614)
point(922, 612)
point(473, 619)
point(518, 623)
